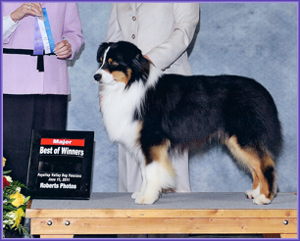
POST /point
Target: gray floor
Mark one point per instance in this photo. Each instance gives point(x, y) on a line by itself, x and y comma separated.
point(194, 200)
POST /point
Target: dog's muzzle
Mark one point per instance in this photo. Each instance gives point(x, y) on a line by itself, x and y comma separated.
point(98, 77)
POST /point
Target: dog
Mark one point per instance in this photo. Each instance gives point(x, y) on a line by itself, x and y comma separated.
point(150, 113)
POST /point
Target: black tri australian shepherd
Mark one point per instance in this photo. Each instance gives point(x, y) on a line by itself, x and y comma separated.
point(150, 112)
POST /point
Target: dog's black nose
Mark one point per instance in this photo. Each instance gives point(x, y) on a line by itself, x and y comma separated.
point(97, 77)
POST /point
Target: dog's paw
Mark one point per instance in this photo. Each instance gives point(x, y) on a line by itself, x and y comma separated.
point(261, 200)
point(135, 195)
point(250, 194)
point(146, 199)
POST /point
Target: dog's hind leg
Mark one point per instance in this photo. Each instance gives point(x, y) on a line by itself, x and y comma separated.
point(262, 170)
point(251, 194)
point(159, 173)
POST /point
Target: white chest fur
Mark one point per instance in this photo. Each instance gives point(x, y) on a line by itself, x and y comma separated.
point(118, 105)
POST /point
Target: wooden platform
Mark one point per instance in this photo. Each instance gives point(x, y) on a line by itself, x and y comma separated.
point(190, 213)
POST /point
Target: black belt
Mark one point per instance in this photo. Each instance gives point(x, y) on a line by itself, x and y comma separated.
point(40, 58)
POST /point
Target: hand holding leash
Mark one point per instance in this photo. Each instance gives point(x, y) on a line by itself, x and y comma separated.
point(63, 49)
point(34, 9)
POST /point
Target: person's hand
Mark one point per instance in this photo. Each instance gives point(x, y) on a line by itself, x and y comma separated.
point(33, 9)
point(146, 57)
point(63, 49)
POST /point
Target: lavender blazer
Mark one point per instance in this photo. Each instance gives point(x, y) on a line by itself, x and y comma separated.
point(20, 75)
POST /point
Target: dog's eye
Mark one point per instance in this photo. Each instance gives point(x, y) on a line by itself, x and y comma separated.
point(100, 60)
point(114, 63)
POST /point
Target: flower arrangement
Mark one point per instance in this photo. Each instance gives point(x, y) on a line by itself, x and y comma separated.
point(14, 204)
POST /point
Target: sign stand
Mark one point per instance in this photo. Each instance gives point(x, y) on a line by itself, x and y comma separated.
point(60, 164)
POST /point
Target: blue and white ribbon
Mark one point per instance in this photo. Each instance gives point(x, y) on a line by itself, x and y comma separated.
point(48, 30)
point(46, 33)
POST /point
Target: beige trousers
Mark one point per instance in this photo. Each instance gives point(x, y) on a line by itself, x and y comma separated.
point(130, 178)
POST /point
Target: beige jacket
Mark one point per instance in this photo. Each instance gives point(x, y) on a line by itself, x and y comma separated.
point(163, 31)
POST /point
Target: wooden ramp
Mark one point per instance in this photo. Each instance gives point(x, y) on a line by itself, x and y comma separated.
point(189, 213)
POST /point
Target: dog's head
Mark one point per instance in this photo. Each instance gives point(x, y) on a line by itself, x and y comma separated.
point(121, 62)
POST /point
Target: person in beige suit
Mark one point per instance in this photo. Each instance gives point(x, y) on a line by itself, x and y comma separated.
point(162, 31)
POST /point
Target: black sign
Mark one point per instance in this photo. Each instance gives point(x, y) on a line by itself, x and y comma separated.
point(60, 164)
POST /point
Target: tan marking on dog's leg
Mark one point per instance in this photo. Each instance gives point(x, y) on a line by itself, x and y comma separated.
point(235, 149)
point(264, 197)
point(250, 194)
point(249, 158)
point(160, 154)
point(159, 174)
point(138, 131)
point(255, 179)
point(269, 163)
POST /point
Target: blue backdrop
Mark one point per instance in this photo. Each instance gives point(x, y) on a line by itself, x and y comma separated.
point(257, 40)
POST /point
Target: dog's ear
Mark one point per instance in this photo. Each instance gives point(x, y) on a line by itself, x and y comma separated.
point(142, 65)
point(102, 49)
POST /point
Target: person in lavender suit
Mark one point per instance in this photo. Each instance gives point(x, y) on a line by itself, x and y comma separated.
point(35, 89)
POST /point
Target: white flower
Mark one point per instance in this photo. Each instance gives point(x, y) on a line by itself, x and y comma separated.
point(8, 178)
point(11, 215)
point(8, 222)
point(18, 189)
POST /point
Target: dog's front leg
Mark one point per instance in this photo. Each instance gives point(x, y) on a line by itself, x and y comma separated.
point(137, 194)
point(158, 173)
point(151, 184)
